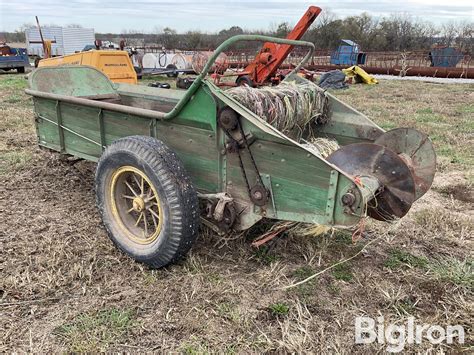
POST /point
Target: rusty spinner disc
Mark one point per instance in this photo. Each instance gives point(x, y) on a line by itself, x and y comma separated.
point(397, 191)
point(416, 149)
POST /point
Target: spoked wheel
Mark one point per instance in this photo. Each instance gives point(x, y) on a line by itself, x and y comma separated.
point(147, 201)
point(135, 204)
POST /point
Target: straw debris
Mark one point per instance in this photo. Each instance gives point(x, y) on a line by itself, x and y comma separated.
point(289, 107)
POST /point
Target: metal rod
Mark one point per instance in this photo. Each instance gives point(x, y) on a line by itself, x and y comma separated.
point(71, 131)
point(98, 104)
point(41, 34)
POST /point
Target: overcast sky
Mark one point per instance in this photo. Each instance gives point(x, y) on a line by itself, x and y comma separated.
point(209, 16)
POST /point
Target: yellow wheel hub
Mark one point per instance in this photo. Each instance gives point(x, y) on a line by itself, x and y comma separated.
point(136, 207)
point(138, 204)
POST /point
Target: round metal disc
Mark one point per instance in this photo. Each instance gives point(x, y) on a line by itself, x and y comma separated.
point(397, 192)
point(416, 149)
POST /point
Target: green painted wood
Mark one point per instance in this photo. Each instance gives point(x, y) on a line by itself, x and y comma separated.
point(347, 125)
point(80, 81)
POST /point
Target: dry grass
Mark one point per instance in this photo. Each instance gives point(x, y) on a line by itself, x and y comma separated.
point(65, 288)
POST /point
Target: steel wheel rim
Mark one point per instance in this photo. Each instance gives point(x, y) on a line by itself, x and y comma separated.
point(135, 205)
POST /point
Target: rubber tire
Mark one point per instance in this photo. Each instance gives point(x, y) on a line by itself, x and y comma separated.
point(245, 80)
point(176, 192)
point(172, 75)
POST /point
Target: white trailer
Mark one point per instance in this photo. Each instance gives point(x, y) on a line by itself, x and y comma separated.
point(66, 40)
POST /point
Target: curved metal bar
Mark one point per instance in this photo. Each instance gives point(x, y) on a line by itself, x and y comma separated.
point(227, 43)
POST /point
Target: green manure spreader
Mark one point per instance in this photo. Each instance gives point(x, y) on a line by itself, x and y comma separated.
point(169, 160)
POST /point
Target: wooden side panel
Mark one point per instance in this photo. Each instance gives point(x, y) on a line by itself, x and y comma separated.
point(118, 125)
point(299, 183)
point(194, 143)
point(48, 133)
point(197, 149)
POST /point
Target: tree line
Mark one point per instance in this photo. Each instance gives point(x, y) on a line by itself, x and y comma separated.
point(393, 33)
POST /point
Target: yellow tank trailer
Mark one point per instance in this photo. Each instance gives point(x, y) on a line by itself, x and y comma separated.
point(115, 64)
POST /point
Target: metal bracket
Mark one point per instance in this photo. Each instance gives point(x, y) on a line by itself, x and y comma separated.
point(267, 181)
point(220, 210)
point(60, 127)
point(101, 128)
point(223, 198)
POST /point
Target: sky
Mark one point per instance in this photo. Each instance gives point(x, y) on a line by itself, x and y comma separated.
point(210, 16)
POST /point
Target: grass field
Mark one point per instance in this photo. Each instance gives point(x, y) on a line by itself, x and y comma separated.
point(65, 288)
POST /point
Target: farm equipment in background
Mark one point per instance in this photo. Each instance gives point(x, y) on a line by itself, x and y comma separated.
point(13, 58)
point(115, 64)
point(445, 57)
point(272, 55)
point(166, 157)
point(348, 53)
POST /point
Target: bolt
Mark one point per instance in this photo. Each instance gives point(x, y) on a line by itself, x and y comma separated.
point(258, 195)
point(348, 199)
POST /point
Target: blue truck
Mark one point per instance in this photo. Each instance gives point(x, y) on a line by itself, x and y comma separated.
point(13, 58)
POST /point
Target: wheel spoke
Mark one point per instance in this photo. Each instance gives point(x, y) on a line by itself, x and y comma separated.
point(146, 223)
point(154, 214)
point(148, 199)
point(139, 218)
point(153, 218)
point(142, 186)
point(129, 197)
point(131, 188)
point(136, 180)
point(130, 210)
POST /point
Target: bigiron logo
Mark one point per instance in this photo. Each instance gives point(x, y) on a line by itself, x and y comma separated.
point(396, 336)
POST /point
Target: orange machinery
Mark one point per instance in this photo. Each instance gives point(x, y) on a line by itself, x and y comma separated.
point(272, 55)
point(115, 64)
